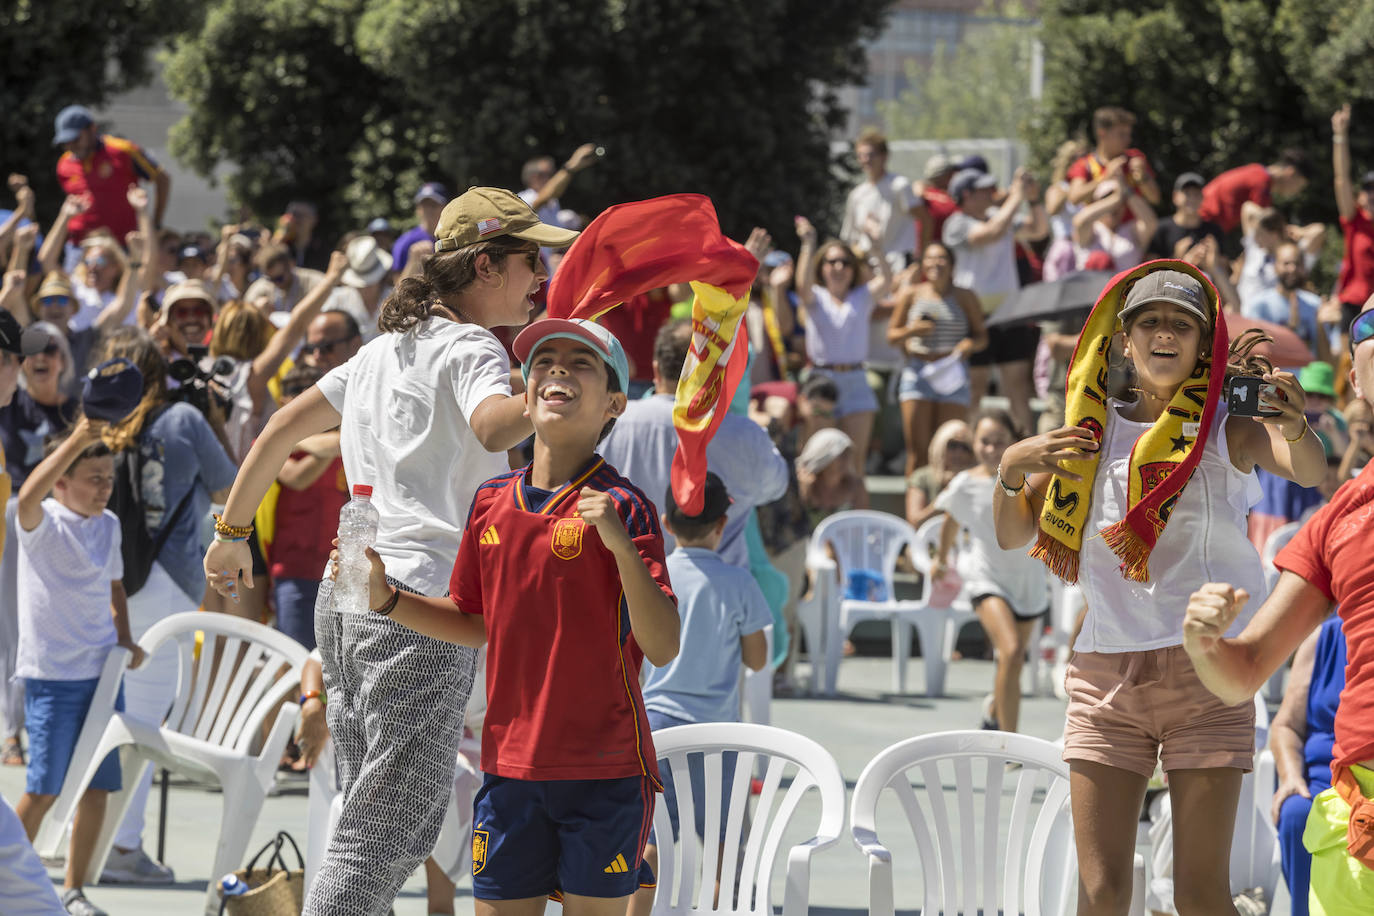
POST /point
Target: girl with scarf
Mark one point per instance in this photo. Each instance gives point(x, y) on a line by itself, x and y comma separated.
point(1141, 501)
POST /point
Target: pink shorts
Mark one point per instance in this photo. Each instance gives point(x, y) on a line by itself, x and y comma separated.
point(1131, 709)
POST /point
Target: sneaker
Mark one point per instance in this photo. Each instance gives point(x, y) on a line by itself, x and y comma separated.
point(75, 902)
point(134, 867)
point(989, 719)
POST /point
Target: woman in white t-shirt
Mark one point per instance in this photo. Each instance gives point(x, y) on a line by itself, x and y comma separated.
point(427, 415)
point(837, 303)
point(1009, 590)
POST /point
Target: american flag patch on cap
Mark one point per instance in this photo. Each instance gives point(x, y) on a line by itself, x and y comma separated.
point(488, 226)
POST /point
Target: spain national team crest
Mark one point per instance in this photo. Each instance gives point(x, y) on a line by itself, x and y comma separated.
point(479, 850)
point(566, 541)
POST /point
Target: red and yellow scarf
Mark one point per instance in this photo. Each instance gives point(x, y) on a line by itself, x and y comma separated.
point(1162, 459)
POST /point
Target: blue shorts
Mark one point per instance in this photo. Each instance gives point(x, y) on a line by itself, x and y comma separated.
point(914, 386)
point(855, 395)
point(532, 838)
point(54, 712)
point(696, 775)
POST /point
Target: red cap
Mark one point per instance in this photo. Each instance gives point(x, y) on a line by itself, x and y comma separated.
point(362, 489)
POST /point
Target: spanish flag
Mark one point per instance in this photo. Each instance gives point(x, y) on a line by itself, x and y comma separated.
point(636, 247)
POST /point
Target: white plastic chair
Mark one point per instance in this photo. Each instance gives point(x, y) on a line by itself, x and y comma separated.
point(873, 541)
point(1277, 540)
point(687, 866)
point(216, 718)
point(1006, 830)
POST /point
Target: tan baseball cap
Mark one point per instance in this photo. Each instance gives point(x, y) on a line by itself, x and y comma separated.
point(482, 214)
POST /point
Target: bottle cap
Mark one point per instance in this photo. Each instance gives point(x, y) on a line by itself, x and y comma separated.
point(362, 489)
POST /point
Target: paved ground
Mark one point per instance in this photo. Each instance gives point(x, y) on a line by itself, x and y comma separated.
point(854, 726)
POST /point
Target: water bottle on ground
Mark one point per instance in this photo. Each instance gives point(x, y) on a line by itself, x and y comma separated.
point(357, 531)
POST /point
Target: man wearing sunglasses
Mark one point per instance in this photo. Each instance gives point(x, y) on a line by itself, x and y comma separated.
point(282, 283)
point(1326, 565)
point(331, 340)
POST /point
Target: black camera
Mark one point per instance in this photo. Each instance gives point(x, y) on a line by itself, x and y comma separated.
point(196, 386)
point(1243, 393)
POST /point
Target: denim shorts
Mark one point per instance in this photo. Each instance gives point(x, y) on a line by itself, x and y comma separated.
point(696, 775)
point(855, 394)
point(54, 712)
point(913, 386)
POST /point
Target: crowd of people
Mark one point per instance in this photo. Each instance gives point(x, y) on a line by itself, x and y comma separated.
point(276, 369)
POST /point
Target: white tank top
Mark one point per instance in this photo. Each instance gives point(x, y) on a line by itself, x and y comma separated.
point(1204, 541)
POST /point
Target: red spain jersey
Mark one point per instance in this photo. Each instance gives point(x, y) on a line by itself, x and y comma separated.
point(104, 178)
point(1224, 196)
point(563, 697)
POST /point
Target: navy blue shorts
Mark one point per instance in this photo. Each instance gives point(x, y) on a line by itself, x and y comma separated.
point(532, 838)
point(54, 712)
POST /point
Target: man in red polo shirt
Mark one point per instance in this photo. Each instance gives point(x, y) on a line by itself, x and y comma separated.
point(1224, 195)
point(1356, 282)
point(1112, 128)
point(100, 169)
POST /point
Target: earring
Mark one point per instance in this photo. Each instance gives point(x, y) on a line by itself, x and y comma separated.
point(503, 281)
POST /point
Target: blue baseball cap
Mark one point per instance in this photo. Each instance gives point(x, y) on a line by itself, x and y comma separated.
point(969, 180)
point(70, 122)
point(112, 390)
point(589, 332)
point(973, 162)
point(434, 191)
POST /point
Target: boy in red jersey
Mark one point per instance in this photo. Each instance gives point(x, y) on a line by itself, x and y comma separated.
point(561, 574)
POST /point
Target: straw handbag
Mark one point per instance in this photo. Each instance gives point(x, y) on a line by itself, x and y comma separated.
point(275, 889)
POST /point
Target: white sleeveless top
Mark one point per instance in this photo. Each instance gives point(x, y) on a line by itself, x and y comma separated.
point(1204, 541)
point(837, 332)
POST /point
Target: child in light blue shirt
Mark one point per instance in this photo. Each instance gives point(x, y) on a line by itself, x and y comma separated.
point(723, 619)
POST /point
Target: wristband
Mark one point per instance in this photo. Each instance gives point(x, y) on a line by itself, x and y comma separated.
point(311, 695)
point(1010, 491)
point(390, 605)
point(232, 531)
point(1300, 436)
point(224, 539)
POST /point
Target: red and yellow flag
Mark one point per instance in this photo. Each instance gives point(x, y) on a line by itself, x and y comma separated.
point(636, 247)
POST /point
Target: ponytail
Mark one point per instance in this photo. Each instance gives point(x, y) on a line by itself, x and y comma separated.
point(444, 274)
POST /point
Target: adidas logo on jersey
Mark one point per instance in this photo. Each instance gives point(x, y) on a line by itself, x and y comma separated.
point(618, 867)
point(490, 536)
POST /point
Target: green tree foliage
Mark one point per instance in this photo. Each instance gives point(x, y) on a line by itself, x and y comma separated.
point(979, 88)
point(54, 54)
point(352, 103)
point(1214, 83)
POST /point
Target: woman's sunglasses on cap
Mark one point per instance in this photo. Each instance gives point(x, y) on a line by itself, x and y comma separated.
point(56, 301)
point(1361, 329)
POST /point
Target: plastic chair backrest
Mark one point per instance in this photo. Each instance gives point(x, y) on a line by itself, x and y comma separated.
point(865, 542)
point(1276, 541)
point(232, 682)
point(1006, 830)
point(795, 765)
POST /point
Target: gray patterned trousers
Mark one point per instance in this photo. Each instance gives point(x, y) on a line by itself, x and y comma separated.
point(395, 711)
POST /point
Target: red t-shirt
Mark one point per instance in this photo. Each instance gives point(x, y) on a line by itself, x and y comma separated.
point(1223, 195)
point(563, 697)
point(307, 521)
point(1332, 552)
point(104, 178)
point(1089, 167)
point(1356, 281)
point(939, 205)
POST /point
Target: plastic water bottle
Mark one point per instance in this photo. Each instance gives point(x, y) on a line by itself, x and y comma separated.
point(231, 885)
point(357, 531)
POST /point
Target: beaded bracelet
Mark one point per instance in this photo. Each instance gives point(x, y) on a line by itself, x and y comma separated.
point(232, 531)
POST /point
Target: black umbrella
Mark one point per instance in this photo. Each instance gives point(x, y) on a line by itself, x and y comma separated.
point(1058, 299)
